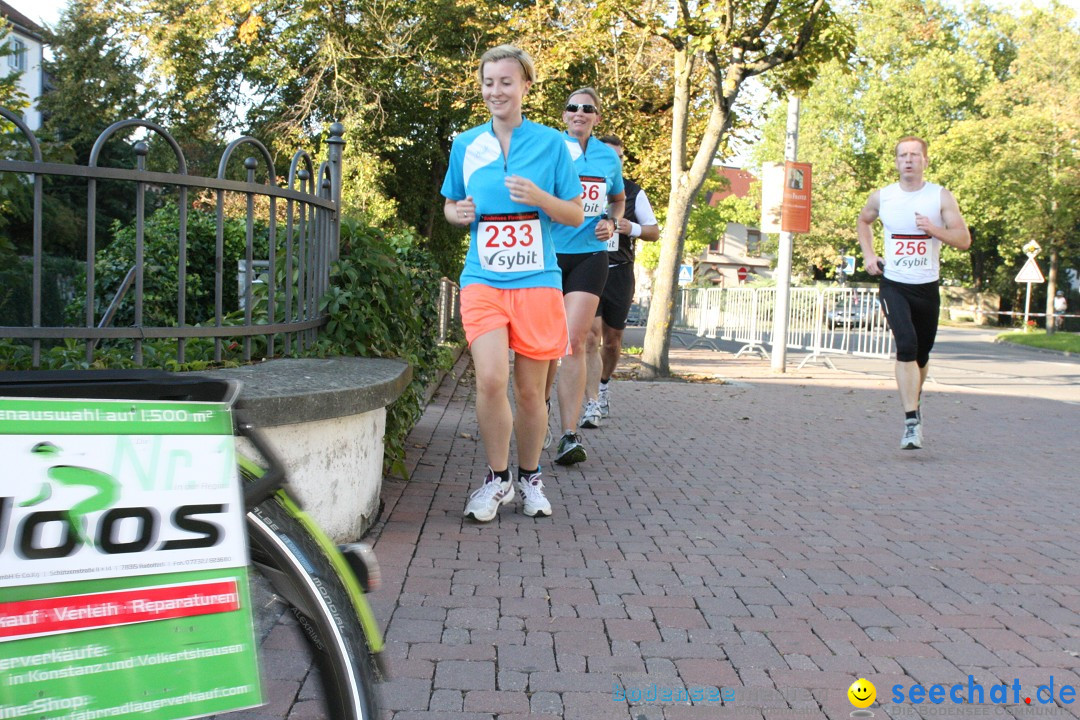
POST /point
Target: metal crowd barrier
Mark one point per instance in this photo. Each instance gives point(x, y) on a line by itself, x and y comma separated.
point(821, 321)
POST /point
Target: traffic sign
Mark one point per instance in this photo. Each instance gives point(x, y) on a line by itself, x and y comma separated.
point(849, 265)
point(686, 274)
point(743, 273)
point(1030, 273)
point(1031, 248)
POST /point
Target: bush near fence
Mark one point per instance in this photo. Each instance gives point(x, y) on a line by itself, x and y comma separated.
point(383, 301)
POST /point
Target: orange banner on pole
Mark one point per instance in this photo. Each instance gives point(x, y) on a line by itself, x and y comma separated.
point(795, 213)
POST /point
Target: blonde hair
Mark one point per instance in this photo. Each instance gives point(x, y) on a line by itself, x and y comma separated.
point(913, 138)
point(508, 52)
point(591, 92)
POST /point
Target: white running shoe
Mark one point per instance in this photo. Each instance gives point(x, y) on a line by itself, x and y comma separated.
point(531, 488)
point(485, 501)
point(602, 401)
point(912, 439)
point(591, 417)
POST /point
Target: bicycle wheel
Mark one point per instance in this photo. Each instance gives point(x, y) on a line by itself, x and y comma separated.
point(314, 657)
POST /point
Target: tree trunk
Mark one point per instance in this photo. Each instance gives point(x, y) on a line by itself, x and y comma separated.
point(685, 184)
point(1051, 286)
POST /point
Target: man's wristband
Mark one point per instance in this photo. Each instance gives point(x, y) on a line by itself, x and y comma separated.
point(635, 229)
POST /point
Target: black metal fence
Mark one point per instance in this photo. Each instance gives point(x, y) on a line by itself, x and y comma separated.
point(283, 272)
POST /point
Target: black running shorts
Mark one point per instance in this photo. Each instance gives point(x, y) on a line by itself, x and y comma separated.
point(618, 296)
point(584, 272)
point(912, 311)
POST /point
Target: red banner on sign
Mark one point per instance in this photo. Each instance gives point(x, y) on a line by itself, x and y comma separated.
point(795, 212)
point(47, 616)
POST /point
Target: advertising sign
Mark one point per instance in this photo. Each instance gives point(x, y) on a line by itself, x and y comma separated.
point(123, 562)
point(795, 215)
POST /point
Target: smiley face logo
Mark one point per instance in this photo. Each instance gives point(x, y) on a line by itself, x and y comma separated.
point(862, 693)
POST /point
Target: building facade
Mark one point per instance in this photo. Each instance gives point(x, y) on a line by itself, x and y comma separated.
point(734, 257)
point(24, 45)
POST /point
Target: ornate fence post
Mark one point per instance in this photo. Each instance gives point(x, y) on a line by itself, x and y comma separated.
point(333, 156)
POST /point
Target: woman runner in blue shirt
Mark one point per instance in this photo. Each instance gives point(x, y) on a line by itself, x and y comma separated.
point(582, 254)
point(509, 180)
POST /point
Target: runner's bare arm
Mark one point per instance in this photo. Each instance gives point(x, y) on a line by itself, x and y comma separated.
point(864, 227)
point(616, 208)
point(955, 232)
point(564, 212)
point(459, 212)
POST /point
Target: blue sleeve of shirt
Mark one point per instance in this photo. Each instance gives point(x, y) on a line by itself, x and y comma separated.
point(453, 187)
point(567, 183)
point(617, 185)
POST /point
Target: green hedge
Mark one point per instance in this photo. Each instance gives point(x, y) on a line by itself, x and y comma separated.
point(384, 302)
point(16, 289)
point(161, 260)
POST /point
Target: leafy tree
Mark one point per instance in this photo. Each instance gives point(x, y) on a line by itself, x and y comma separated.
point(708, 221)
point(11, 186)
point(715, 49)
point(1020, 160)
point(994, 93)
point(909, 75)
point(95, 82)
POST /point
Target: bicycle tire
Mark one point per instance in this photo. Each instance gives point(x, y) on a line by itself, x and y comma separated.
point(291, 571)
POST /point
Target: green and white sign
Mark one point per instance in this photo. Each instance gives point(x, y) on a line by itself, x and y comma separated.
point(123, 562)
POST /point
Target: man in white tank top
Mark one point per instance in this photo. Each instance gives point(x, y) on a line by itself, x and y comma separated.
point(917, 217)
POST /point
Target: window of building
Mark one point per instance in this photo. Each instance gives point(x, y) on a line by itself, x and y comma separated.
point(753, 242)
point(17, 58)
point(716, 247)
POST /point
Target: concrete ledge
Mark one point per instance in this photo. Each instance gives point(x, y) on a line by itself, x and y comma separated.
point(326, 417)
point(298, 390)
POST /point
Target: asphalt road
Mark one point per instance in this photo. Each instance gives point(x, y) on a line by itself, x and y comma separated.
point(962, 357)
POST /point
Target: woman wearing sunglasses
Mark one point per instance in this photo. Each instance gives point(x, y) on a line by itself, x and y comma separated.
point(510, 181)
point(582, 252)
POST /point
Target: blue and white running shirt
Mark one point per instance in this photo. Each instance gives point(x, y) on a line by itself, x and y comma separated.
point(601, 175)
point(511, 245)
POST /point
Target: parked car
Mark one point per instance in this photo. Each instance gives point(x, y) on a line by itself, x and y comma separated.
point(855, 312)
point(636, 316)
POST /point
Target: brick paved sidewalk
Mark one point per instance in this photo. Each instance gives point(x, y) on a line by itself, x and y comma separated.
point(759, 544)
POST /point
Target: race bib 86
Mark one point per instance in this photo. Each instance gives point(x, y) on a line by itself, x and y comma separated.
point(594, 197)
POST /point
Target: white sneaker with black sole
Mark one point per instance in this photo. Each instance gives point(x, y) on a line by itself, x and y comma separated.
point(534, 502)
point(485, 501)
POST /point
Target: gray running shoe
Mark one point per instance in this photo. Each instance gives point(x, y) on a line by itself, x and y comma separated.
point(531, 488)
point(602, 401)
point(912, 439)
point(591, 417)
point(485, 501)
point(570, 450)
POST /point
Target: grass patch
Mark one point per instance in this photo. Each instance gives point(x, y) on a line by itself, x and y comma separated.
point(633, 350)
point(1066, 342)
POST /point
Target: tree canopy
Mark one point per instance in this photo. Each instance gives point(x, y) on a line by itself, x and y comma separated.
point(995, 93)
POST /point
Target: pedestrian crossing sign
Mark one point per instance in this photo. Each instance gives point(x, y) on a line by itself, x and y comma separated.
point(686, 274)
point(1030, 273)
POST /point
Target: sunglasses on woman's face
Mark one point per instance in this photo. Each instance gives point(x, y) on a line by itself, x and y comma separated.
point(587, 109)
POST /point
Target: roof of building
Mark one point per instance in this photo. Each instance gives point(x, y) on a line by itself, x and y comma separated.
point(740, 180)
point(20, 21)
